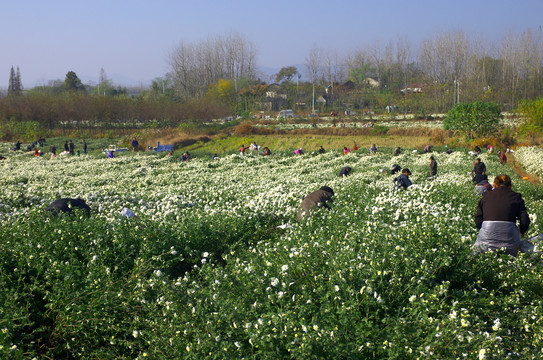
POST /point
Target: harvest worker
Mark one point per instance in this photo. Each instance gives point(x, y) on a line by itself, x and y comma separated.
point(373, 149)
point(185, 157)
point(345, 171)
point(66, 205)
point(496, 217)
point(433, 167)
point(480, 178)
point(242, 149)
point(489, 149)
point(479, 168)
point(503, 158)
point(134, 144)
point(321, 150)
point(316, 199)
point(397, 151)
point(482, 184)
point(403, 181)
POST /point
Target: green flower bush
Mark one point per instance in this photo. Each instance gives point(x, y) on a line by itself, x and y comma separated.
point(204, 272)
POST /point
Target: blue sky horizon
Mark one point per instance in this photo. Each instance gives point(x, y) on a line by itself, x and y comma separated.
point(131, 41)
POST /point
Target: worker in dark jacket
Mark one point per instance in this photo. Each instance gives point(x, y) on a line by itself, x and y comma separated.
point(496, 218)
point(433, 166)
point(403, 181)
point(345, 171)
point(316, 199)
point(478, 168)
point(66, 205)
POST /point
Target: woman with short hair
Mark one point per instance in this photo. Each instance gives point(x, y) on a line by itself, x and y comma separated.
point(496, 218)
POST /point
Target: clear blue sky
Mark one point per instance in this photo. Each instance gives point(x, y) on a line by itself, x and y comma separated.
point(131, 39)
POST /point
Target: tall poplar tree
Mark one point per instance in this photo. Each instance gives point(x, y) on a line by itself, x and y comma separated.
point(18, 82)
point(15, 87)
point(11, 86)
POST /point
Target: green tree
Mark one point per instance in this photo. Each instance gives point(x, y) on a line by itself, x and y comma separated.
point(250, 95)
point(286, 74)
point(475, 119)
point(359, 75)
point(18, 83)
point(72, 82)
point(15, 86)
point(11, 86)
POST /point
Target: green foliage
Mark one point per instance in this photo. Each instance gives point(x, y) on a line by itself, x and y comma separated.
point(73, 83)
point(203, 272)
point(379, 130)
point(21, 130)
point(533, 112)
point(15, 87)
point(286, 74)
point(28, 130)
point(359, 75)
point(474, 119)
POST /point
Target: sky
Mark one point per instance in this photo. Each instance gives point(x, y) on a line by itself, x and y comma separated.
point(132, 39)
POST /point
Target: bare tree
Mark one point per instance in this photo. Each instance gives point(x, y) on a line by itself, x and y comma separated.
point(102, 80)
point(444, 59)
point(313, 64)
point(403, 59)
point(195, 66)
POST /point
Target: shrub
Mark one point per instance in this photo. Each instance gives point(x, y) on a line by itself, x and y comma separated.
point(533, 110)
point(474, 119)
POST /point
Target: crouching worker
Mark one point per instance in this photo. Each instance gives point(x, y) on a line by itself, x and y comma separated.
point(319, 198)
point(402, 181)
point(496, 218)
point(66, 205)
point(481, 184)
point(345, 171)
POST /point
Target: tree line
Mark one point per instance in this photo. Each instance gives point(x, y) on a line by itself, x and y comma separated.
point(217, 77)
point(443, 70)
point(431, 77)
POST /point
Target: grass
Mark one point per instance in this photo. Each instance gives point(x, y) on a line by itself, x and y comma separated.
point(229, 144)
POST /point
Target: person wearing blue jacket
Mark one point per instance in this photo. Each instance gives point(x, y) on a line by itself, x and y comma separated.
point(403, 181)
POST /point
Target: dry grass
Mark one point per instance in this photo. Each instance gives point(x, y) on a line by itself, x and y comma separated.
point(310, 139)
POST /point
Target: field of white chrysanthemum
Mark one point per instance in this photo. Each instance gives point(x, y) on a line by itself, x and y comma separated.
point(203, 272)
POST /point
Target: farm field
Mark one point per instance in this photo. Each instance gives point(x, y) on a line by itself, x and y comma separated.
point(203, 272)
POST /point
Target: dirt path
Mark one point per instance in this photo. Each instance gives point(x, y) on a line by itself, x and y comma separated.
point(513, 163)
